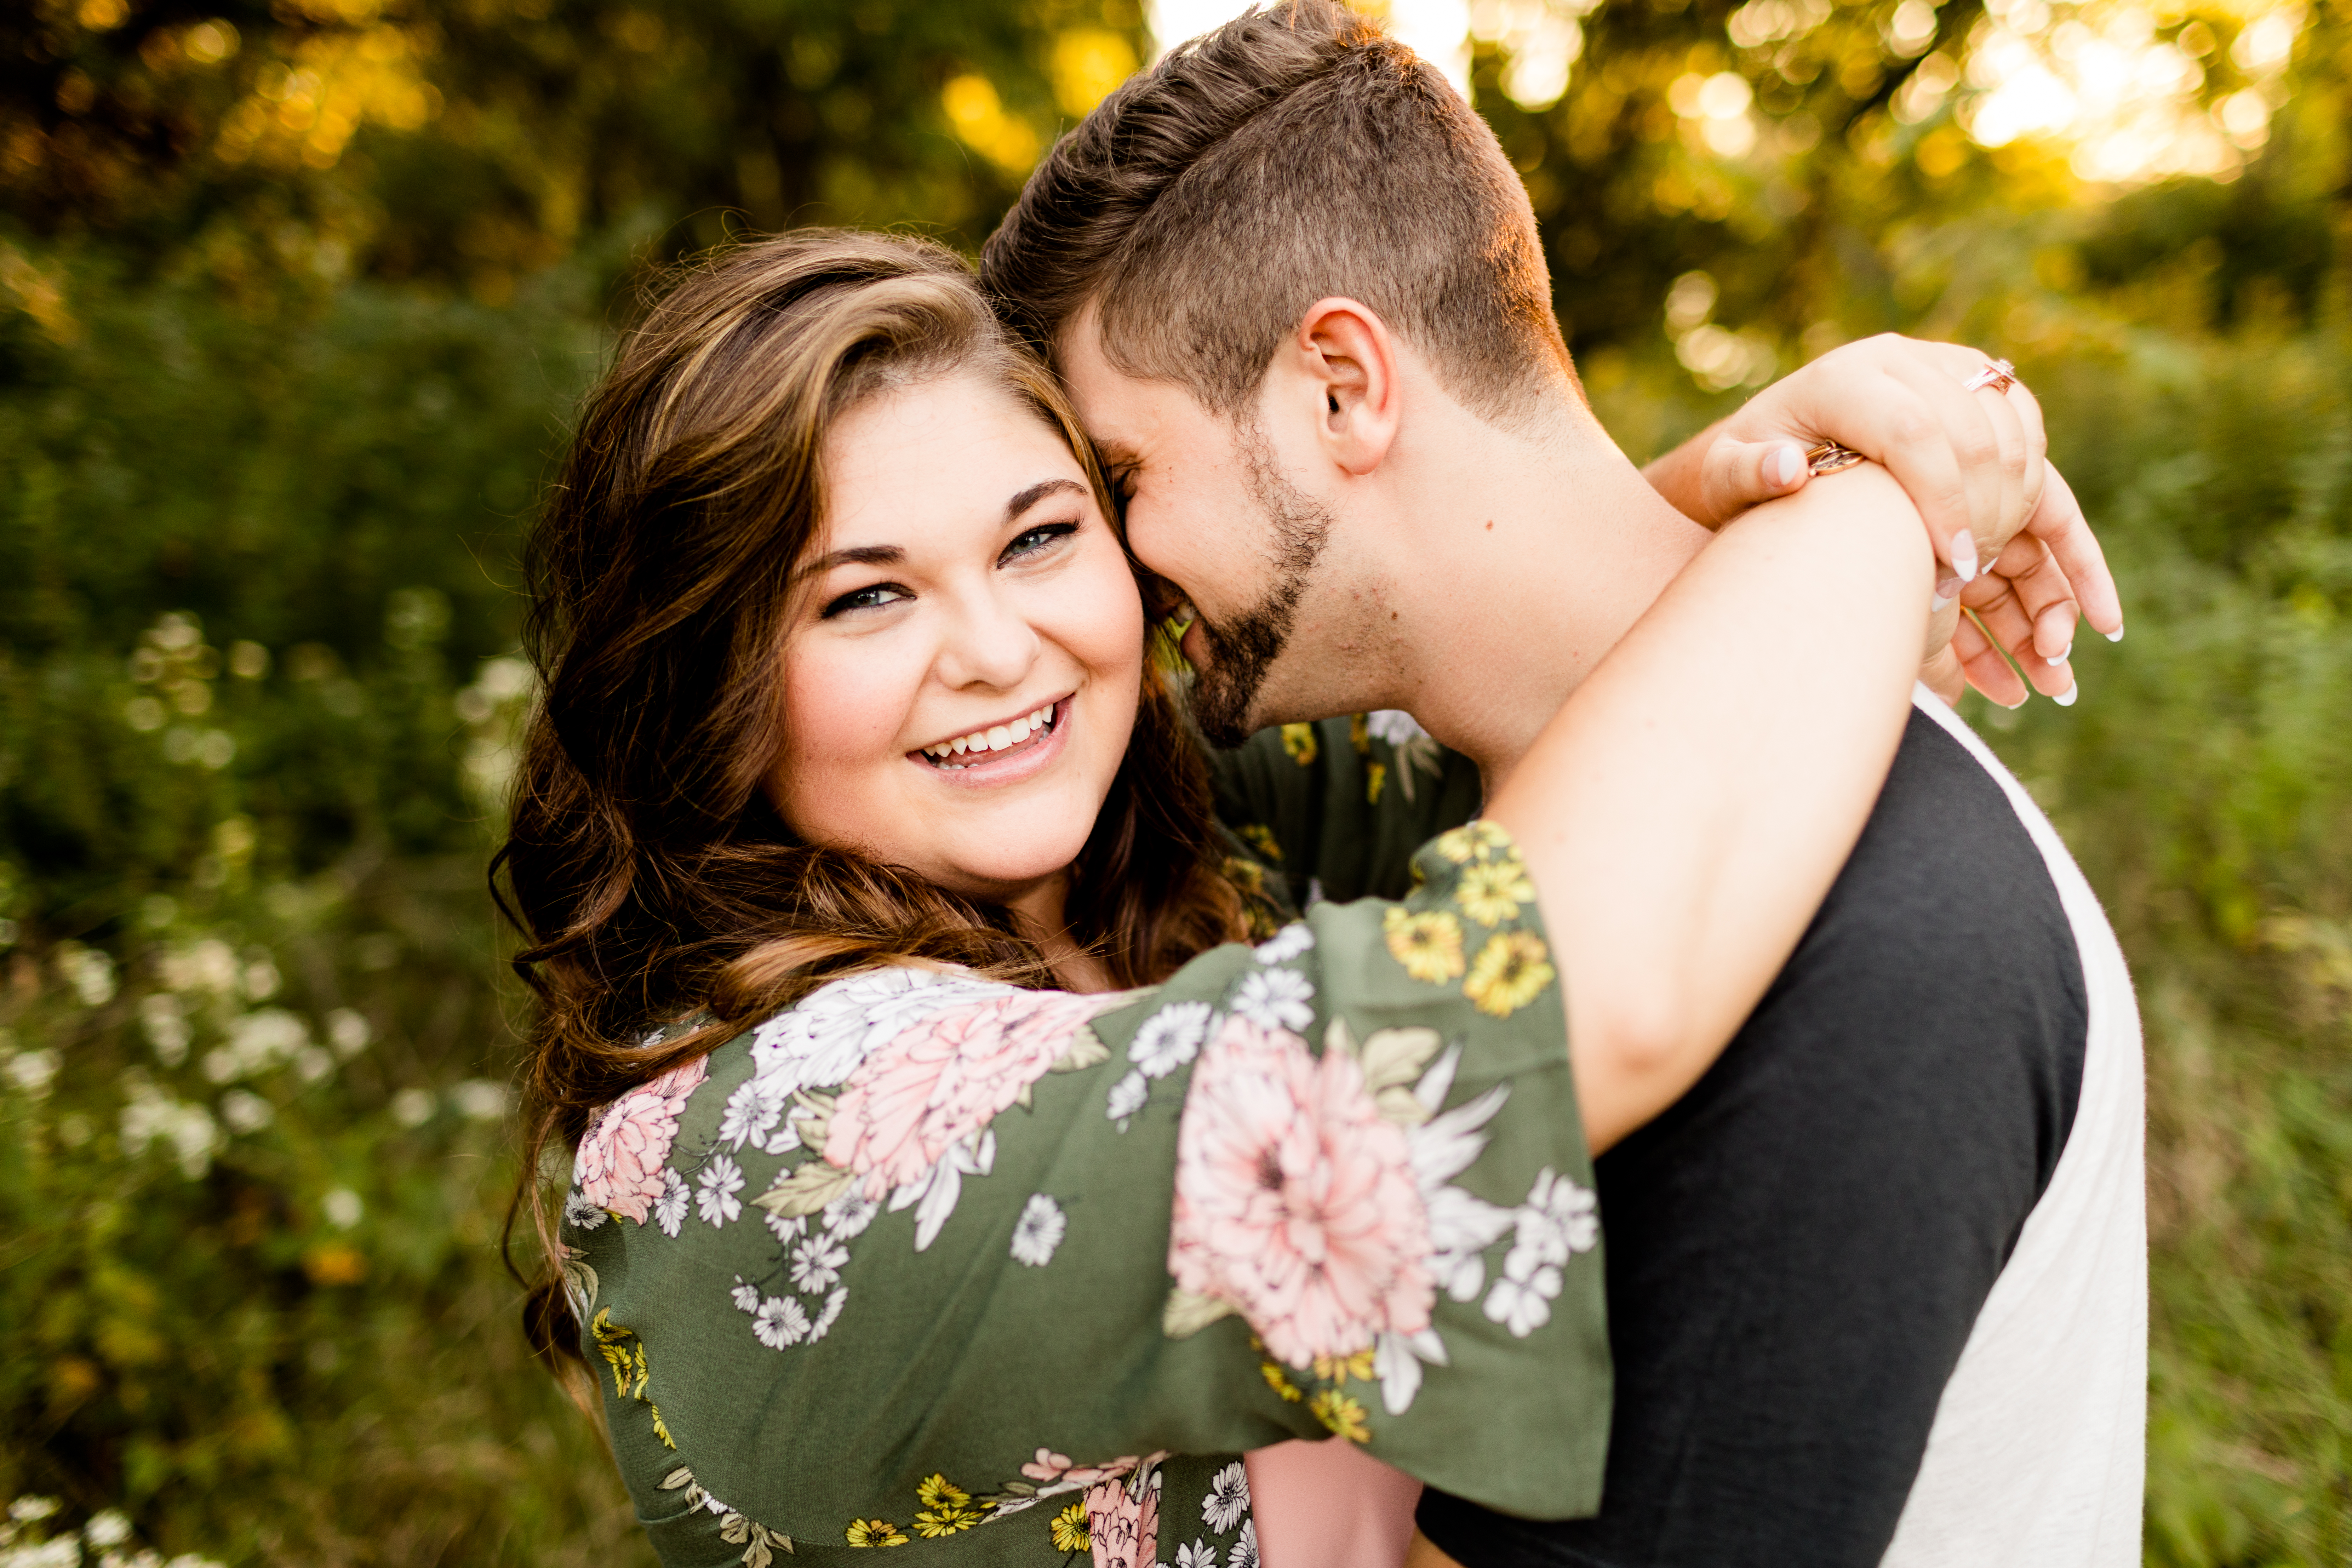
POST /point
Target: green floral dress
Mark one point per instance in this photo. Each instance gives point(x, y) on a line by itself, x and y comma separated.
point(939, 1265)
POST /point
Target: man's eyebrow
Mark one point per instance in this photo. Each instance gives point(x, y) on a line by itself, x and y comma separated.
point(1038, 492)
point(857, 556)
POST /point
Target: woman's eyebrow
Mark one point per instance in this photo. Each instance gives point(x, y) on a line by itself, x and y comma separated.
point(1038, 492)
point(857, 556)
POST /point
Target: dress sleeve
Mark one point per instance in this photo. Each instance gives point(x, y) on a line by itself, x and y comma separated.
point(929, 1258)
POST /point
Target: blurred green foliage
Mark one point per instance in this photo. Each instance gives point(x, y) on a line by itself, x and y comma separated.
point(293, 300)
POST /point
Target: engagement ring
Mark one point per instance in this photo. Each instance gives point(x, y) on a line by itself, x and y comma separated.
point(1999, 376)
point(1829, 457)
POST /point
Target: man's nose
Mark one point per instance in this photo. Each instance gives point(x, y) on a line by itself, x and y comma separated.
point(989, 642)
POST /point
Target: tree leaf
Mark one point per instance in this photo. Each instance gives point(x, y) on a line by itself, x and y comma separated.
point(806, 1190)
point(1187, 1314)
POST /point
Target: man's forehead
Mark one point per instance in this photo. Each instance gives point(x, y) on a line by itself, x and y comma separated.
point(1121, 412)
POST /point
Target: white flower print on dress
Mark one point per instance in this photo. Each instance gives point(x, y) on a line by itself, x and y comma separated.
point(1244, 1551)
point(1395, 726)
point(669, 1209)
point(1127, 1097)
point(850, 1214)
point(1276, 999)
point(822, 1039)
point(816, 1263)
point(781, 1322)
point(1171, 1037)
point(1559, 1219)
point(720, 1181)
point(1286, 944)
point(1523, 1305)
point(832, 1305)
point(755, 1115)
point(1200, 1555)
point(1038, 1231)
point(581, 1212)
point(745, 1297)
point(1229, 1498)
point(788, 1230)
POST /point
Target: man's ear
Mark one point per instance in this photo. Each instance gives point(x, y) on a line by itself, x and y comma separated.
point(1350, 358)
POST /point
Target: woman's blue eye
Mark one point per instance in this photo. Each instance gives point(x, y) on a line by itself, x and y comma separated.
point(864, 599)
point(1036, 539)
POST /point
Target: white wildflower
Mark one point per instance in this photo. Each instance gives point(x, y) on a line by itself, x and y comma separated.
point(669, 1209)
point(816, 1263)
point(1127, 1097)
point(781, 1322)
point(579, 1212)
point(1287, 943)
point(1228, 1501)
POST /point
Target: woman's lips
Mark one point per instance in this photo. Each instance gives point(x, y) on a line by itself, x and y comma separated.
point(1008, 765)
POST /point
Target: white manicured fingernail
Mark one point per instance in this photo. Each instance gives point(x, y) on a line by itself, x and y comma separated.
point(1964, 556)
point(2115, 635)
point(2066, 698)
point(1783, 466)
point(1945, 592)
point(2061, 657)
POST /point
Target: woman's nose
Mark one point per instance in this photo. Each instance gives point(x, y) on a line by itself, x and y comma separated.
point(988, 643)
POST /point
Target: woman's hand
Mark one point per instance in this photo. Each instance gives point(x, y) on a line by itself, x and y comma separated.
point(1972, 463)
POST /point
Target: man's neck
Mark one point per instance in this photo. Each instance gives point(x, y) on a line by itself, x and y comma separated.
point(1525, 562)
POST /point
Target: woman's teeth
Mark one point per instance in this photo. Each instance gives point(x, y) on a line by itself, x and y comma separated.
point(995, 738)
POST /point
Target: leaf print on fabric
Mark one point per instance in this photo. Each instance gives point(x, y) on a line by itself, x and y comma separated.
point(1038, 1231)
point(1170, 1039)
point(759, 1543)
point(1228, 1502)
point(1429, 945)
point(625, 1353)
point(1294, 1200)
point(1275, 999)
point(620, 1162)
point(1287, 943)
point(719, 1182)
point(1510, 970)
point(943, 1080)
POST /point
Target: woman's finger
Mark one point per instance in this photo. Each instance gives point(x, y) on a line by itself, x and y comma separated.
point(2048, 600)
point(1987, 444)
point(1739, 474)
point(2059, 523)
point(2006, 619)
point(1986, 669)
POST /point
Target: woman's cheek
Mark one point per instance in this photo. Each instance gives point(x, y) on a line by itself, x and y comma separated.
point(843, 719)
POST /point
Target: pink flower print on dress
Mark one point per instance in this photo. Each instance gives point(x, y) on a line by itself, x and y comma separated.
point(944, 1079)
point(1294, 1200)
point(620, 1163)
point(1048, 1468)
point(1124, 1529)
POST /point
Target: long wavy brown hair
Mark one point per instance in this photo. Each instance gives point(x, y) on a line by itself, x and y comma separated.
point(653, 882)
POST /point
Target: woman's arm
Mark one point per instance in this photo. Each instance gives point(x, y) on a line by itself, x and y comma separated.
point(1686, 811)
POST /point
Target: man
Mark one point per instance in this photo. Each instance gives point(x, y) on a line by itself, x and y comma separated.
point(1877, 1284)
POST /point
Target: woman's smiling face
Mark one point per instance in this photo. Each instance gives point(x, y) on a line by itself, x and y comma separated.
point(965, 652)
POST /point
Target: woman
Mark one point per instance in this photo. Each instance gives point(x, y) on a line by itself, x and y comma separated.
point(850, 754)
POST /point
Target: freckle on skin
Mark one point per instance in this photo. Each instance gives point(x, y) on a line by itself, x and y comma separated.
point(1490, 525)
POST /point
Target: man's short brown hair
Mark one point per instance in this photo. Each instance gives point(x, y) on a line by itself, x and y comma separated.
point(1294, 154)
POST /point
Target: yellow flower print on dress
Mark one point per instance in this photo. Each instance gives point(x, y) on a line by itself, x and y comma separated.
point(1509, 972)
point(1299, 740)
point(1492, 891)
point(947, 1508)
point(1070, 1533)
point(1339, 1369)
point(1473, 841)
point(1375, 775)
point(875, 1532)
point(1260, 837)
point(625, 1354)
point(1428, 946)
point(1342, 1414)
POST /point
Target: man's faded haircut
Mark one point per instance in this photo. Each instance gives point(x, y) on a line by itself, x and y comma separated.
point(1297, 152)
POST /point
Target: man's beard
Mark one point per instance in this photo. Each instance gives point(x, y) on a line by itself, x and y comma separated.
point(1242, 651)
